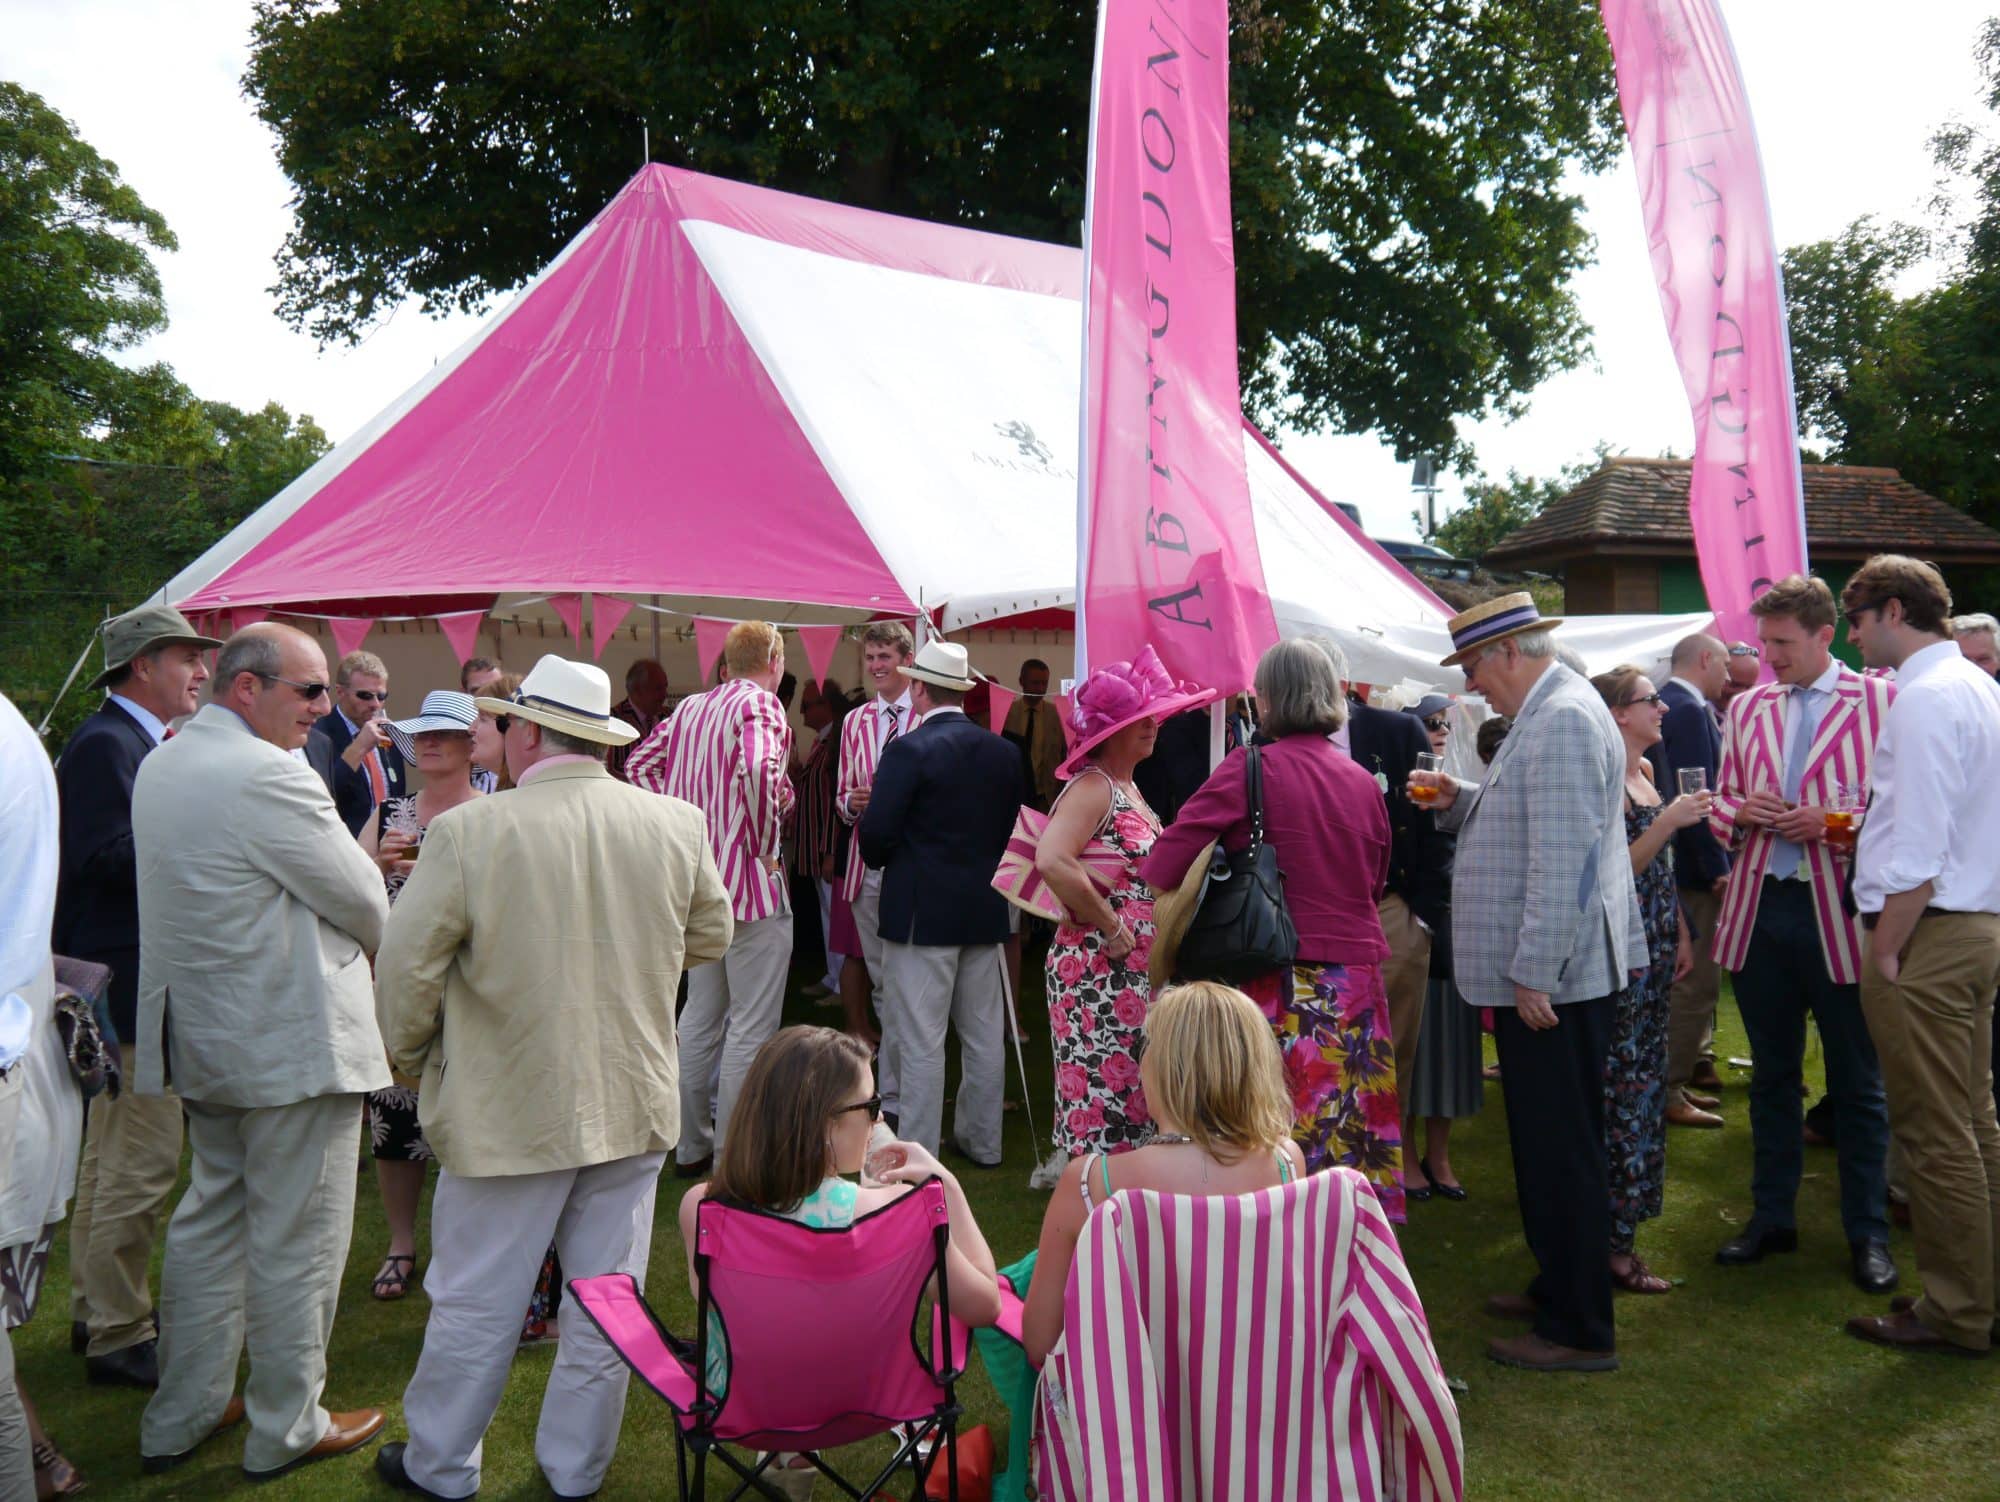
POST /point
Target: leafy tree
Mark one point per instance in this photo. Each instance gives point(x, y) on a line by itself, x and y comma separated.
point(1495, 508)
point(76, 282)
point(1404, 238)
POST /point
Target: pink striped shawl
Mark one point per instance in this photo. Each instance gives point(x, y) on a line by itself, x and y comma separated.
point(728, 752)
point(860, 749)
point(1258, 1346)
point(1753, 756)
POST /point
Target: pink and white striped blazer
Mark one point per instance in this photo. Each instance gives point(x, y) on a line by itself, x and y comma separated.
point(1266, 1346)
point(1753, 756)
point(728, 752)
point(860, 750)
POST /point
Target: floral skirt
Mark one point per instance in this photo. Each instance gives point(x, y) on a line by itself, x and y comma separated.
point(1332, 1023)
point(1097, 1005)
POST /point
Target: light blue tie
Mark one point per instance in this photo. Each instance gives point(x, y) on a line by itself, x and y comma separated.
point(1785, 857)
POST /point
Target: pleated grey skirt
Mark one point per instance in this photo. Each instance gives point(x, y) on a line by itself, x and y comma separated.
point(1446, 1080)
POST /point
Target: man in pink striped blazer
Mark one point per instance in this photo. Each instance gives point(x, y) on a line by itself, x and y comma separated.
point(728, 752)
point(1789, 749)
point(886, 649)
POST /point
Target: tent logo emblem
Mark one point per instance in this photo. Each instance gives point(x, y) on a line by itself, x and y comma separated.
point(1031, 447)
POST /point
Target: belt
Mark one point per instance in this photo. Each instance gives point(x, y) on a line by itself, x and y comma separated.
point(1869, 920)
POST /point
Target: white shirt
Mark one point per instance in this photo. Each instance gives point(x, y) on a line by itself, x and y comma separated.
point(148, 721)
point(939, 709)
point(900, 719)
point(28, 846)
point(1932, 814)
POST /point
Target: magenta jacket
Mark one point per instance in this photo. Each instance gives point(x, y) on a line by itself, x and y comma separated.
point(1328, 822)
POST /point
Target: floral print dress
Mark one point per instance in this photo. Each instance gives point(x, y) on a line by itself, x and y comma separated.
point(1097, 1004)
point(1635, 1071)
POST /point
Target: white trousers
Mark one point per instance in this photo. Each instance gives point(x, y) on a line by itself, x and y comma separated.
point(831, 980)
point(868, 923)
point(254, 1255)
point(17, 1451)
point(733, 1005)
point(928, 987)
point(488, 1238)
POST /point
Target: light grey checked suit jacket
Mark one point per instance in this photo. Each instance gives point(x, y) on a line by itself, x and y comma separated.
point(1541, 890)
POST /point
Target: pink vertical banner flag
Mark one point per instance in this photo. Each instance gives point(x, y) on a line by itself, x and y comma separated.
point(569, 610)
point(461, 629)
point(708, 639)
point(1708, 224)
point(247, 615)
point(820, 643)
point(1166, 548)
point(607, 614)
point(999, 701)
point(349, 632)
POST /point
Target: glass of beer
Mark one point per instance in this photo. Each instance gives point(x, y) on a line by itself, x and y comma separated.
point(1424, 783)
point(1843, 818)
point(1692, 780)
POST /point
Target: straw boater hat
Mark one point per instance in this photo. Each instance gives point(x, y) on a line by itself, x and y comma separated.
point(1494, 620)
point(944, 663)
point(137, 632)
point(1121, 694)
point(571, 697)
point(1172, 913)
point(443, 709)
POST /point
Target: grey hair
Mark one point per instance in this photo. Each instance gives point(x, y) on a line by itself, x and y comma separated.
point(1539, 644)
point(1964, 625)
point(560, 743)
point(1300, 690)
point(248, 651)
point(1331, 647)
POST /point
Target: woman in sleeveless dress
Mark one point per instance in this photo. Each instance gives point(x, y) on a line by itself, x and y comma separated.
point(1096, 980)
point(1635, 1071)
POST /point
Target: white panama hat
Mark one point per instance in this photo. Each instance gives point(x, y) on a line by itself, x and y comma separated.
point(944, 663)
point(571, 697)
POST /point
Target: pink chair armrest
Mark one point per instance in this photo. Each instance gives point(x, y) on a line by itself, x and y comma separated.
point(617, 1308)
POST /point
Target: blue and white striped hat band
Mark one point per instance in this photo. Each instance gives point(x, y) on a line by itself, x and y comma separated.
point(1491, 620)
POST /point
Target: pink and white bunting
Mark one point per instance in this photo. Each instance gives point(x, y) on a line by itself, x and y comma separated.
point(1708, 222)
point(607, 614)
point(569, 610)
point(709, 635)
point(819, 643)
point(349, 632)
point(999, 701)
point(461, 629)
point(1166, 542)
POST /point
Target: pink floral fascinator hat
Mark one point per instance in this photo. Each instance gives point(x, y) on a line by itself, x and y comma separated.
point(1121, 694)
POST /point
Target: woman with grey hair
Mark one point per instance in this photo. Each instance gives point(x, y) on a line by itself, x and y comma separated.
point(1326, 820)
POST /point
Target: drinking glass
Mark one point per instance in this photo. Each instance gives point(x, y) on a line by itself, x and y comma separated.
point(1843, 817)
point(1693, 780)
point(1430, 771)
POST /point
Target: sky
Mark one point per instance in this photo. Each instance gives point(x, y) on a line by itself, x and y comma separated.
point(1845, 93)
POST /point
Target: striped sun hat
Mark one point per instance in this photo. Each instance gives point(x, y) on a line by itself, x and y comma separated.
point(1490, 621)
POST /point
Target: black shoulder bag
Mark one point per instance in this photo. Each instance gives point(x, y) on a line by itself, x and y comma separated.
point(1241, 928)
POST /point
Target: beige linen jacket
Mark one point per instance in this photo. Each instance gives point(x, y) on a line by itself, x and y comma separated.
point(530, 968)
point(257, 914)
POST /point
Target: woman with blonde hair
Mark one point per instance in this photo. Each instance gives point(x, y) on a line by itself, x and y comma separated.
point(1215, 1083)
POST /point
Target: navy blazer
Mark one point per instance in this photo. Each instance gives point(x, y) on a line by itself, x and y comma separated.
point(940, 812)
point(97, 891)
point(352, 796)
point(1389, 741)
point(1689, 737)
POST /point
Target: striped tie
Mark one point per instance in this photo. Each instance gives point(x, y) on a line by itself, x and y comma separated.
point(378, 780)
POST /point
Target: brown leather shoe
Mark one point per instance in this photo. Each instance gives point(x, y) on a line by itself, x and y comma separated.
point(1683, 1113)
point(1696, 1098)
point(1905, 1332)
point(1704, 1076)
point(1511, 1306)
point(345, 1432)
point(1532, 1353)
point(232, 1415)
point(1905, 1303)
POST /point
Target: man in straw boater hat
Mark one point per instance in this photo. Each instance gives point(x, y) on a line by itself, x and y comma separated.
point(942, 807)
point(153, 673)
point(528, 977)
point(1546, 930)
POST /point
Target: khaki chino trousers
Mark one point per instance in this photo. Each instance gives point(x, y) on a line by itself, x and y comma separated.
point(131, 1156)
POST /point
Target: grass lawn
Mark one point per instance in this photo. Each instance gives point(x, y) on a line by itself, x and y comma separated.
point(1739, 1385)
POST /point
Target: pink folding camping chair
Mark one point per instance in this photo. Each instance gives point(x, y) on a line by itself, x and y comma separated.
point(828, 1341)
point(1264, 1345)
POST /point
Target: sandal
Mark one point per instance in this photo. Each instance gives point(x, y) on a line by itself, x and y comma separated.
point(54, 1475)
point(391, 1284)
point(1639, 1278)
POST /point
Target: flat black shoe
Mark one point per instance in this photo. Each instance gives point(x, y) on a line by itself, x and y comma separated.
point(1417, 1196)
point(389, 1466)
point(79, 1337)
point(695, 1170)
point(135, 1366)
point(1756, 1243)
point(1453, 1192)
point(1874, 1268)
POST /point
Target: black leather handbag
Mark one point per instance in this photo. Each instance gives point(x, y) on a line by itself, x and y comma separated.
point(1241, 928)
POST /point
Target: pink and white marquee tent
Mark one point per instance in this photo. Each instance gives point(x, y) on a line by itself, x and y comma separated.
point(732, 401)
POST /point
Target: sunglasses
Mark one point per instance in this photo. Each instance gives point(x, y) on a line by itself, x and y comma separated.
point(503, 723)
point(372, 695)
point(1851, 616)
point(306, 691)
point(1437, 723)
point(872, 1105)
point(1653, 699)
point(1744, 652)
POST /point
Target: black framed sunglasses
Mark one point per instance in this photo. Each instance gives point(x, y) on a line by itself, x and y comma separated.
point(1860, 610)
point(372, 695)
point(1653, 699)
point(503, 723)
point(872, 1105)
point(306, 691)
point(1437, 723)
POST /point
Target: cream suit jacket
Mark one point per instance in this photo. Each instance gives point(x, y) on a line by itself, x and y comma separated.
point(529, 972)
point(257, 914)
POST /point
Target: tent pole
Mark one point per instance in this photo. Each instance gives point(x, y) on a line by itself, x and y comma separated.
point(656, 628)
point(1218, 742)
